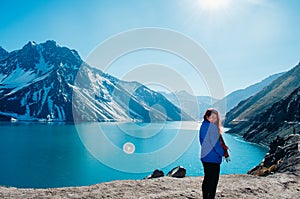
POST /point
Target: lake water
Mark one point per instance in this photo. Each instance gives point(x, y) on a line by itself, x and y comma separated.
point(44, 155)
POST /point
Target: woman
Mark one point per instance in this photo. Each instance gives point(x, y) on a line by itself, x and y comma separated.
point(213, 148)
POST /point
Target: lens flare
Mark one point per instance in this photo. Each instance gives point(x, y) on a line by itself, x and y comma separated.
point(214, 5)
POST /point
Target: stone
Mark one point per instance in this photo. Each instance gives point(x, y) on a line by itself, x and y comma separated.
point(177, 172)
point(156, 174)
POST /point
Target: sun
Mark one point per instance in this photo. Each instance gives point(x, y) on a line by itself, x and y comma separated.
point(214, 5)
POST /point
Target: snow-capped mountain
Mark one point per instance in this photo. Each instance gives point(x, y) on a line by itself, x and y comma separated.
point(49, 82)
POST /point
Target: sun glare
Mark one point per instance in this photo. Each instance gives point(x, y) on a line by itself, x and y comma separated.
point(213, 5)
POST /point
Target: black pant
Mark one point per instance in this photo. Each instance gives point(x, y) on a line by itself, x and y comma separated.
point(211, 179)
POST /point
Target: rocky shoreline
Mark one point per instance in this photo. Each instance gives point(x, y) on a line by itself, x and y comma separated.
point(283, 157)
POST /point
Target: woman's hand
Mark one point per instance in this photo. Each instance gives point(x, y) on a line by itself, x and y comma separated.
point(227, 159)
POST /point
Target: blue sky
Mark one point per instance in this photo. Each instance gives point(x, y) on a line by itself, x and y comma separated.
point(247, 40)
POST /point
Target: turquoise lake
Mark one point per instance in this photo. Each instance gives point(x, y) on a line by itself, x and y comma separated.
point(44, 155)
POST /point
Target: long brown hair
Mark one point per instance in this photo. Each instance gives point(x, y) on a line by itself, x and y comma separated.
point(210, 111)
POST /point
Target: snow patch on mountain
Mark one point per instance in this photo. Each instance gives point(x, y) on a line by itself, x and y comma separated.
point(42, 66)
point(18, 78)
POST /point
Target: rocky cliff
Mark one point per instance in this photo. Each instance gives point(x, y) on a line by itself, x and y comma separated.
point(283, 157)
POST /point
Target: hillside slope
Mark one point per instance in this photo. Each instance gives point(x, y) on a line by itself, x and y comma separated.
point(271, 112)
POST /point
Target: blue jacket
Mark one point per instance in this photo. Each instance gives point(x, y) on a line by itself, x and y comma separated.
point(211, 149)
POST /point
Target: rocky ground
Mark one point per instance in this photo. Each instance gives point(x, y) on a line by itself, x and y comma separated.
point(279, 185)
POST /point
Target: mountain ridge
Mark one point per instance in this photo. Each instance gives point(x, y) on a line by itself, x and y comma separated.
point(3, 53)
point(271, 112)
point(189, 101)
point(235, 97)
point(276, 92)
point(37, 83)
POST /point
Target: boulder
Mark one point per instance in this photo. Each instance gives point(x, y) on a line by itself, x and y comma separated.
point(177, 172)
point(156, 174)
